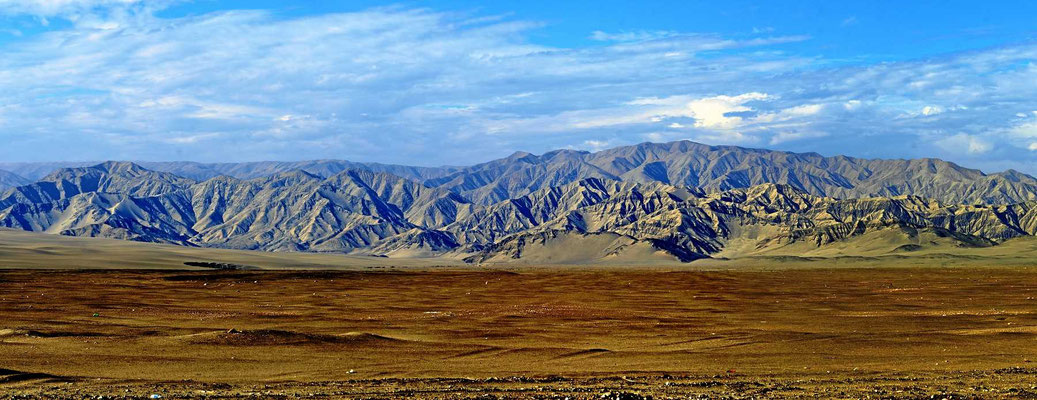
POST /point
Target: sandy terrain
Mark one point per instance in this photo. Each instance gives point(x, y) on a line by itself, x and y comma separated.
point(617, 333)
point(29, 250)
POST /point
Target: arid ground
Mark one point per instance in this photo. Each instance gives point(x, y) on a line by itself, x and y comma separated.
point(572, 333)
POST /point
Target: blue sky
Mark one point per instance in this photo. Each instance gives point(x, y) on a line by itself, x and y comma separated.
point(460, 82)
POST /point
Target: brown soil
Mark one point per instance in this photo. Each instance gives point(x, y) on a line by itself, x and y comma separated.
point(617, 333)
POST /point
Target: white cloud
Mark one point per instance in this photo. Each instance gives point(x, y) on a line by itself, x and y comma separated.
point(194, 108)
point(597, 145)
point(716, 117)
point(709, 112)
point(1033, 146)
point(630, 36)
point(963, 143)
point(803, 110)
point(789, 114)
point(654, 136)
point(725, 137)
point(931, 110)
point(46, 8)
point(977, 146)
point(191, 139)
point(793, 135)
point(1025, 130)
point(687, 41)
point(713, 112)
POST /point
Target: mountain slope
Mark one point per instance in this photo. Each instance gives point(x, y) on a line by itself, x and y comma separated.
point(519, 174)
point(293, 211)
point(300, 211)
point(757, 219)
point(717, 168)
point(110, 177)
point(10, 179)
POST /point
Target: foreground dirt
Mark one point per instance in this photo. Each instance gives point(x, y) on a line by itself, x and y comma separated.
point(853, 333)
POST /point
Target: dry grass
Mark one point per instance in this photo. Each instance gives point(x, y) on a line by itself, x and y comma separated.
point(852, 328)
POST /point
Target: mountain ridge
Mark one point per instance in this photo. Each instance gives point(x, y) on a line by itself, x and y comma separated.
point(378, 213)
point(717, 168)
point(684, 163)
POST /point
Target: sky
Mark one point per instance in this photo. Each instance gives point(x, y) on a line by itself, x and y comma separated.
point(456, 82)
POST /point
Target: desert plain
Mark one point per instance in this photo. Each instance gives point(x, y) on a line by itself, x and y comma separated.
point(936, 327)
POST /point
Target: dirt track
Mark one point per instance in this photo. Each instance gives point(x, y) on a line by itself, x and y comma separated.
point(908, 332)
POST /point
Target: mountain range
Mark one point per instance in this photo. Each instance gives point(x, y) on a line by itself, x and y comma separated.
point(654, 201)
point(681, 163)
point(9, 179)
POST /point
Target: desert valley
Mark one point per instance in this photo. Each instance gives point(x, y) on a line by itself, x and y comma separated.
point(656, 270)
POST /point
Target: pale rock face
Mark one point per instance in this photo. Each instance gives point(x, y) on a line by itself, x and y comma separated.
point(680, 200)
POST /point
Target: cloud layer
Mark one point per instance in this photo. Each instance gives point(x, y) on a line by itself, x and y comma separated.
point(422, 87)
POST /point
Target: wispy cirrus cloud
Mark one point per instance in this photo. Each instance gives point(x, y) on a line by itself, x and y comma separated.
point(74, 8)
point(415, 85)
point(638, 36)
